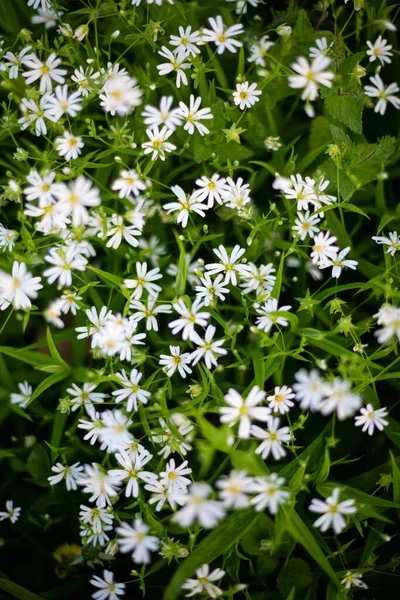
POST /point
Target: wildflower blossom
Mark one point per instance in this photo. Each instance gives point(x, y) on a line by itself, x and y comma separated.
point(134, 538)
point(108, 588)
point(310, 76)
point(371, 418)
point(332, 512)
point(384, 94)
point(12, 512)
point(246, 95)
point(244, 411)
point(223, 38)
point(19, 288)
point(204, 584)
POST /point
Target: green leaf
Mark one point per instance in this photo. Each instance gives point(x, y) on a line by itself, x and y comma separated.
point(38, 463)
point(215, 544)
point(396, 479)
point(325, 489)
point(301, 533)
point(53, 349)
point(35, 359)
point(180, 284)
point(295, 574)
point(346, 109)
point(18, 591)
point(46, 384)
point(303, 31)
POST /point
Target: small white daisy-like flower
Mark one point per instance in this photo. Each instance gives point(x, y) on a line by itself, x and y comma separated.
point(187, 41)
point(229, 264)
point(323, 248)
point(223, 38)
point(384, 94)
point(205, 582)
point(128, 183)
point(371, 418)
point(340, 399)
point(71, 474)
point(193, 114)
point(22, 398)
point(246, 95)
point(210, 189)
point(165, 115)
point(108, 589)
point(273, 438)
point(380, 50)
point(281, 400)
point(136, 539)
point(69, 146)
point(353, 580)
point(200, 507)
point(305, 225)
point(268, 318)
point(176, 63)
point(269, 493)
point(338, 262)
point(176, 360)
point(157, 145)
point(392, 241)
point(19, 288)
point(47, 72)
point(310, 76)
point(12, 512)
point(244, 411)
point(332, 512)
point(185, 204)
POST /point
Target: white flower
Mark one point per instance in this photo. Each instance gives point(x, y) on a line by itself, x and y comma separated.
point(221, 36)
point(244, 411)
point(19, 288)
point(47, 16)
point(207, 349)
point(14, 61)
point(185, 205)
point(85, 396)
point(46, 72)
point(132, 471)
point(35, 113)
point(12, 512)
point(71, 474)
point(85, 80)
point(76, 197)
point(64, 261)
point(272, 437)
point(310, 76)
point(131, 391)
point(323, 248)
point(237, 194)
point(128, 183)
point(189, 317)
point(210, 189)
point(322, 48)
point(118, 231)
point(158, 145)
point(268, 317)
point(8, 238)
point(281, 400)
point(269, 493)
point(120, 93)
point(135, 539)
point(193, 114)
point(380, 50)
point(53, 313)
point(393, 241)
point(389, 317)
point(272, 143)
point(246, 95)
point(164, 115)
point(144, 281)
point(259, 50)
point(148, 311)
point(22, 398)
point(309, 388)
point(228, 264)
point(234, 489)
point(241, 5)
point(371, 418)
point(338, 262)
point(186, 42)
point(176, 63)
point(204, 582)
point(259, 279)
point(174, 477)
point(108, 588)
point(199, 507)
point(41, 187)
point(60, 103)
point(98, 483)
point(306, 225)
point(383, 93)
point(332, 512)
point(211, 289)
point(353, 580)
point(69, 146)
point(176, 361)
point(339, 398)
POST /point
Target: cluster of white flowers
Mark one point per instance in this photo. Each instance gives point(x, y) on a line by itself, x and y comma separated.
point(97, 239)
